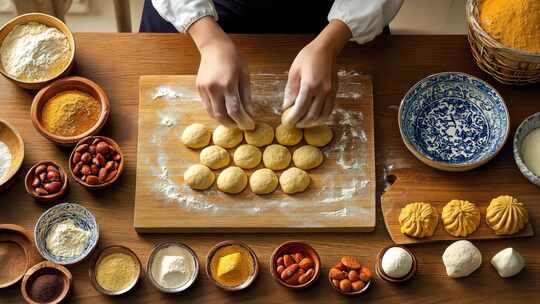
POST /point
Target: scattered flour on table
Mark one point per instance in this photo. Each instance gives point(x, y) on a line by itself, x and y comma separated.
point(5, 160)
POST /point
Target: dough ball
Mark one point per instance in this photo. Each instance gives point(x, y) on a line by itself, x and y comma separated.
point(214, 157)
point(263, 181)
point(227, 137)
point(307, 157)
point(508, 262)
point(199, 177)
point(196, 136)
point(506, 215)
point(460, 218)
point(318, 136)
point(294, 180)
point(232, 180)
point(262, 135)
point(418, 220)
point(285, 117)
point(276, 157)
point(288, 136)
point(247, 156)
point(461, 259)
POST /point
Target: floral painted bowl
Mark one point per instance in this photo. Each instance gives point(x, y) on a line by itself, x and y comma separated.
point(453, 121)
point(529, 124)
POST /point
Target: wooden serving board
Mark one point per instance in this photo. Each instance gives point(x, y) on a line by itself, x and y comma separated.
point(341, 196)
point(438, 188)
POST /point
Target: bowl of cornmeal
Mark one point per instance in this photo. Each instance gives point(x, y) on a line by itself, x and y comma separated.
point(35, 49)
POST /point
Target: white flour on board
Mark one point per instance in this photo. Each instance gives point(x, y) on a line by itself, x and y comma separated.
point(349, 143)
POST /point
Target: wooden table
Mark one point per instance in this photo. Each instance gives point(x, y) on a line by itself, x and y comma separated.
point(117, 60)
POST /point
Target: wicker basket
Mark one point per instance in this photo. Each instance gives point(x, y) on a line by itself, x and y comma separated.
point(507, 65)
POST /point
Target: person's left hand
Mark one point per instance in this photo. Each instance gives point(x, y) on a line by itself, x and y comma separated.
point(312, 83)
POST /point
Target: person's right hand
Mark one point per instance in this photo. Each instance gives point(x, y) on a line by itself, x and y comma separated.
point(223, 77)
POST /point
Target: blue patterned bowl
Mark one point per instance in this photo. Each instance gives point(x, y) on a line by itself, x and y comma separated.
point(82, 219)
point(530, 123)
point(453, 121)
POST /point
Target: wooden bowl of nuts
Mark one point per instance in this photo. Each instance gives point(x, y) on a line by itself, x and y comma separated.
point(46, 181)
point(96, 162)
point(349, 276)
point(295, 264)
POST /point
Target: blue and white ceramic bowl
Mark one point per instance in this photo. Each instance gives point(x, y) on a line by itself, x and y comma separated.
point(530, 123)
point(453, 121)
point(59, 213)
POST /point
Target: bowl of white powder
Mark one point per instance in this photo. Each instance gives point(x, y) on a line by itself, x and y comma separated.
point(66, 234)
point(35, 49)
point(527, 148)
point(11, 154)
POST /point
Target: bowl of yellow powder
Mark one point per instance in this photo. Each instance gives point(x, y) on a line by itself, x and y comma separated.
point(232, 265)
point(35, 49)
point(115, 270)
point(69, 110)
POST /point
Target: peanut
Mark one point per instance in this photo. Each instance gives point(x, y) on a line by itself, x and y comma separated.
point(305, 263)
point(345, 285)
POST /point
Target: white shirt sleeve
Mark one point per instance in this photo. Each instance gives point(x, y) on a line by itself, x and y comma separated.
point(183, 13)
point(365, 18)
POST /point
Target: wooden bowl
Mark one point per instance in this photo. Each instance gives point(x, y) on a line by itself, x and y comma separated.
point(151, 257)
point(46, 267)
point(16, 247)
point(291, 247)
point(66, 84)
point(51, 197)
point(387, 278)
point(105, 252)
point(13, 140)
point(248, 281)
point(46, 20)
point(89, 140)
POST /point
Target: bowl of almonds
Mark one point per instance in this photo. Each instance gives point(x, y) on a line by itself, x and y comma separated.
point(349, 276)
point(46, 181)
point(96, 162)
point(295, 264)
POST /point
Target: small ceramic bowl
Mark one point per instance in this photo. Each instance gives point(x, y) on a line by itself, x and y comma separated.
point(453, 121)
point(13, 140)
point(380, 272)
point(352, 293)
point(291, 247)
point(529, 124)
point(150, 273)
point(66, 84)
point(51, 197)
point(42, 268)
point(48, 21)
point(96, 259)
point(242, 286)
point(89, 140)
point(82, 218)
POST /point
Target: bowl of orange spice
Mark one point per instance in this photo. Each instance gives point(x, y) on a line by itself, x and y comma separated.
point(70, 109)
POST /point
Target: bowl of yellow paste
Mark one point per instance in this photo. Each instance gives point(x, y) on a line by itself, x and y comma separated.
point(69, 110)
point(35, 49)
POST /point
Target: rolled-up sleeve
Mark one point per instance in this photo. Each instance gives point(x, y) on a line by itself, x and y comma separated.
point(365, 18)
point(183, 13)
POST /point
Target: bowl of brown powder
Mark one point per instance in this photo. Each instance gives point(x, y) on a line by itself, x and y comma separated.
point(69, 110)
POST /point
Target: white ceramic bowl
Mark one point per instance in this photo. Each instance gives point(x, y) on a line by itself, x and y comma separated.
point(530, 123)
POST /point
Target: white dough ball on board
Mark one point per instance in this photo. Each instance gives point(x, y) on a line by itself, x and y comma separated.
point(227, 137)
point(196, 136)
point(294, 180)
point(232, 180)
point(199, 177)
point(263, 181)
point(214, 157)
point(461, 259)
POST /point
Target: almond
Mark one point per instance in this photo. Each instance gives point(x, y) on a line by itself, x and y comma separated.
point(305, 263)
point(288, 260)
point(289, 271)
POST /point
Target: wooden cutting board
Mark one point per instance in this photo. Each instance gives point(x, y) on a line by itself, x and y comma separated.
point(438, 188)
point(341, 196)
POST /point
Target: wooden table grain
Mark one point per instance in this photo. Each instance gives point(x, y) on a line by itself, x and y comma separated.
point(116, 61)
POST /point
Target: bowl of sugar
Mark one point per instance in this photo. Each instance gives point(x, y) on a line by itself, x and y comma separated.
point(527, 148)
point(11, 154)
point(35, 49)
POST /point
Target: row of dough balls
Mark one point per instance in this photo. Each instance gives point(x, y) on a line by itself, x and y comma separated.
point(197, 136)
point(505, 215)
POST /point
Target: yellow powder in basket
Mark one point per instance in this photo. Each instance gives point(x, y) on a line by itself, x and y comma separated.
point(514, 23)
point(70, 113)
point(231, 265)
point(116, 271)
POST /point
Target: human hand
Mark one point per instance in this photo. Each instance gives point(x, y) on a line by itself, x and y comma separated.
point(223, 77)
point(312, 82)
